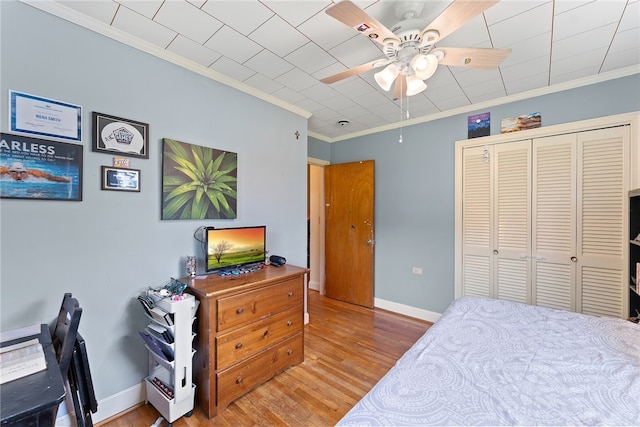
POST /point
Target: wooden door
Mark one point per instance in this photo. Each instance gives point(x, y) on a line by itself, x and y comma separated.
point(349, 232)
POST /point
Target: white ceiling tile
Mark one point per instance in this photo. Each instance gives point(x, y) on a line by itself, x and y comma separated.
point(626, 40)
point(197, 3)
point(529, 82)
point(143, 28)
point(188, 20)
point(288, 94)
point(310, 58)
point(296, 79)
point(339, 103)
point(263, 83)
point(332, 69)
point(229, 42)
point(310, 105)
point(631, 17)
point(439, 92)
point(269, 64)
point(191, 50)
point(532, 67)
point(586, 17)
point(353, 87)
point(523, 26)
point(103, 11)
point(471, 34)
point(296, 12)
point(525, 50)
point(451, 103)
point(278, 36)
point(506, 9)
point(621, 59)
point(242, 16)
point(325, 31)
point(146, 8)
point(319, 92)
point(573, 75)
point(592, 59)
point(474, 77)
point(583, 42)
point(231, 68)
point(372, 99)
point(357, 51)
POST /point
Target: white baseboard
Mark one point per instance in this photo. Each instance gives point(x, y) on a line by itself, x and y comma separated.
point(418, 313)
point(109, 406)
point(314, 285)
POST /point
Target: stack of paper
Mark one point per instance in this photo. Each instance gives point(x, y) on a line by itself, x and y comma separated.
point(20, 360)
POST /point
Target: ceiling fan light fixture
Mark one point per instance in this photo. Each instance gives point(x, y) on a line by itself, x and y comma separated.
point(386, 77)
point(424, 65)
point(415, 85)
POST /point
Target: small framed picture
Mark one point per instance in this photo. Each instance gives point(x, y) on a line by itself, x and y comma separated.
point(120, 179)
point(115, 135)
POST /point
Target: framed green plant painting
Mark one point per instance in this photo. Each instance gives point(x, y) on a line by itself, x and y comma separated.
point(198, 182)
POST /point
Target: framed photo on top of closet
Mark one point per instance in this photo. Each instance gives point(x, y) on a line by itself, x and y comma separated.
point(115, 135)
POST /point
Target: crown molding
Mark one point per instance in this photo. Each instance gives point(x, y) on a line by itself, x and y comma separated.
point(71, 15)
point(586, 81)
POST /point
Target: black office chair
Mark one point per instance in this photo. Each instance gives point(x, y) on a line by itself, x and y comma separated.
point(72, 358)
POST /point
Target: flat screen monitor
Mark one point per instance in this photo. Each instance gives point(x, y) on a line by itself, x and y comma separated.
point(235, 247)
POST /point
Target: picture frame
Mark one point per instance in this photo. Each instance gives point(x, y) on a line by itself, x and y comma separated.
point(39, 169)
point(120, 179)
point(116, 135)
point(44, 117)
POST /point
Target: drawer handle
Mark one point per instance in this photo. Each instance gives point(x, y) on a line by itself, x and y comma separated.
point(239, 380)
point(240, 310)
point(290, 293)
point(289, 323)
point(289, 352)
point(238, 346)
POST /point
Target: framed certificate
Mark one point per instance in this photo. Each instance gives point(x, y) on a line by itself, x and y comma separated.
point(35, 115)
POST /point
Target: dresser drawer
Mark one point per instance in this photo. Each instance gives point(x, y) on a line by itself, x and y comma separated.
point(238, 344)
point(237, 380)
point(242, 309)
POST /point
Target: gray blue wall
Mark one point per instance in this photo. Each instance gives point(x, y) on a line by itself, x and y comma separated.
point(414, 207)
point(111, 246)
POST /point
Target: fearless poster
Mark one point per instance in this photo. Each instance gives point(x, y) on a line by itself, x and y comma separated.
point(32, 168)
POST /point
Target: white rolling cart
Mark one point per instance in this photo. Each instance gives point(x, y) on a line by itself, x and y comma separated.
point(169, 385)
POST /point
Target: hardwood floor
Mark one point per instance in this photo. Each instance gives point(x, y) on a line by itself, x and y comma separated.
point(348, 348)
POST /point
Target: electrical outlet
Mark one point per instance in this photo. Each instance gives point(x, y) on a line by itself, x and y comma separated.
point(417, 270)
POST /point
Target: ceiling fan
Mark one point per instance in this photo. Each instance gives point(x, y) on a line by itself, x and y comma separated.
point(411, 56)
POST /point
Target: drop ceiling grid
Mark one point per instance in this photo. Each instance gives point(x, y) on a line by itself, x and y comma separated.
point(285, 47)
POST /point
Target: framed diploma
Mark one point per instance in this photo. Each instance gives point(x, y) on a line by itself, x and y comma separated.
point(35, 115)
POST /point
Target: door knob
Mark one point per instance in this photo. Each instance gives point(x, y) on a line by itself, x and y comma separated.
point(574, 259)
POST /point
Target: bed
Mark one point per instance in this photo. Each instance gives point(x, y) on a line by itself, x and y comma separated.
point(497, 362)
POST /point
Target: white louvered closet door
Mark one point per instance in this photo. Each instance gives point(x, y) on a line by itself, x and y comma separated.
point(554, 222)
point(476, 271)
point(602, 203)
point(577, 226)
point(512, 221)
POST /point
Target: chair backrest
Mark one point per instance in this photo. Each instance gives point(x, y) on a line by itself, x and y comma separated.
point(65, 331)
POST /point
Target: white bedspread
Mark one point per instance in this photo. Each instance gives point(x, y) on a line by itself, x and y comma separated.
point(493, 362)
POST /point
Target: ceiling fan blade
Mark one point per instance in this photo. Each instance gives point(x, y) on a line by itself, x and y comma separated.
point(356, 18)
point(457, 14)
point(469, 57)
point(356, 70)
point(400, 87)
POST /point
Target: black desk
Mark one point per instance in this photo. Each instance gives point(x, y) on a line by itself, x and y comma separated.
point(33, 400)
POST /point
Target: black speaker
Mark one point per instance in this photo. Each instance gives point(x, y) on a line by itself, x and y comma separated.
point(277, 261)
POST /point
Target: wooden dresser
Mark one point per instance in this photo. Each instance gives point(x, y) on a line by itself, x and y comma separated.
point(250, 327)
